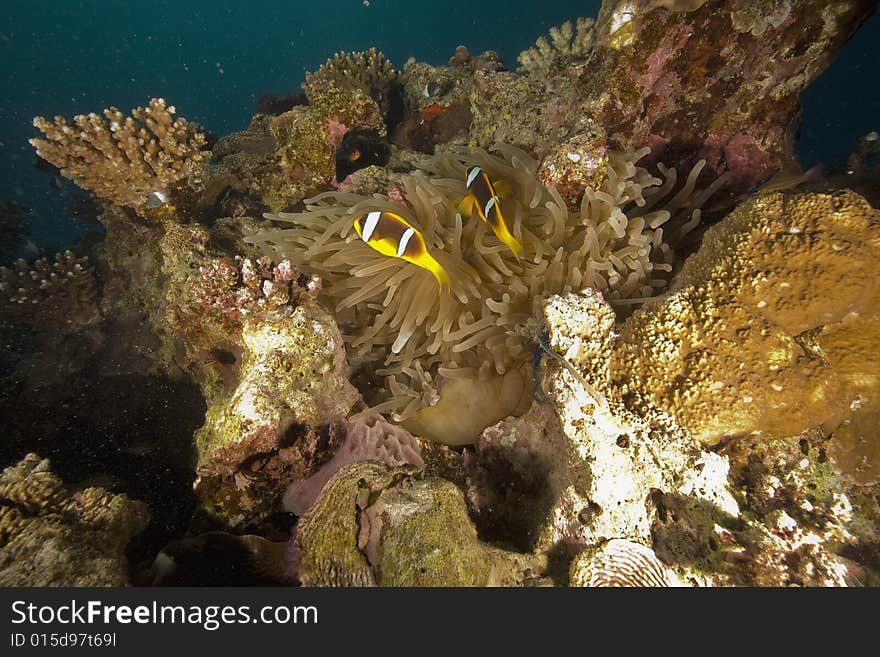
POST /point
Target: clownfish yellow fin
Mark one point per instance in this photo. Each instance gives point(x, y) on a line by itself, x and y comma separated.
point(502, 188)
point(512, 243)
point(443, 279)
point(466, 206)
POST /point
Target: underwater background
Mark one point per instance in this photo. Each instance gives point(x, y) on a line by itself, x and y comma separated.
point(595, 284)
point(215, 59)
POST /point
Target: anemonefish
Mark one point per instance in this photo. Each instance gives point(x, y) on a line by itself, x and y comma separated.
point(484, 195)
point(391, 235)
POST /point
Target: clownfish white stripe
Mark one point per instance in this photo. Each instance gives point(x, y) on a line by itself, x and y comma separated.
point(472, 176)
point(489, 205)
point(370, 225)
point(404, 240)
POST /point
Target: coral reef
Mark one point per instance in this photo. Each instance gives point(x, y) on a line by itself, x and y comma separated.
point(281, 159)
point(600, 409)
point(51, 535)
point(716, 81)
point(764, 511)
point(741, 65)
point(123, 159)
point(613, 242)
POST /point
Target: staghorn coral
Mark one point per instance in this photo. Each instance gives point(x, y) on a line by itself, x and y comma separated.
point(53, 536)
point(123, 159)
point(568, 44)
point(615, 241)
point(623, 564)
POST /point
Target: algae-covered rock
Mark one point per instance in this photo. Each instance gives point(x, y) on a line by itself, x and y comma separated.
point(51, 535)
point(375, 525)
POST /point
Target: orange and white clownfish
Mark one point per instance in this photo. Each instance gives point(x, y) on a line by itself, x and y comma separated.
point(391, 235)
point(484, 196)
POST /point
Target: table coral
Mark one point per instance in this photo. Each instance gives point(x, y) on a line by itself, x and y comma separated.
point(123, 159)
point(51, 535)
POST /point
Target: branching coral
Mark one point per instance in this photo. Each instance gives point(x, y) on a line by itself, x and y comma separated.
point(389, 309)
point(123, 159)
point(568, 43)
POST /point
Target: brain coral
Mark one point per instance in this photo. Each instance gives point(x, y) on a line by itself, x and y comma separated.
point(390, 311)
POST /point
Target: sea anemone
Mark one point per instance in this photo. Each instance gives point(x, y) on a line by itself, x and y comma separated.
point(391, 311)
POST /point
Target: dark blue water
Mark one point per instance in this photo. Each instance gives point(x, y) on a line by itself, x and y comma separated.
point(214, 59)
